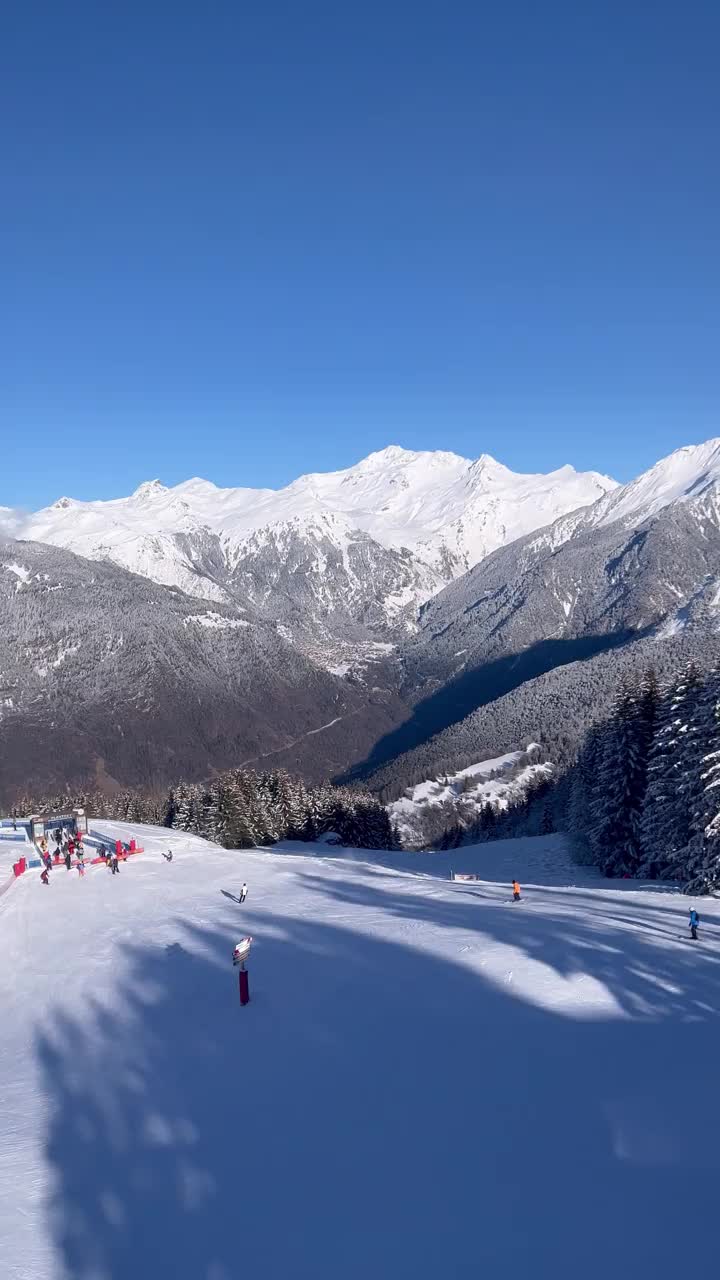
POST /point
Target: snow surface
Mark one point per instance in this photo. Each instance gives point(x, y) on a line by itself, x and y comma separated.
point(430, 1081)
point(430, 502)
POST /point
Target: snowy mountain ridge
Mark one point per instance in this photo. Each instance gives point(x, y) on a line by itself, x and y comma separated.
point(431, 516)
point(690, 475)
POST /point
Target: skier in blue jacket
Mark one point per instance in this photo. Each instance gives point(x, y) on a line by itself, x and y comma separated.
point(693, 923)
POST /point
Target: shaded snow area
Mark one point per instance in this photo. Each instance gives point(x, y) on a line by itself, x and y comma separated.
point(495, 782)
point(430, 1080)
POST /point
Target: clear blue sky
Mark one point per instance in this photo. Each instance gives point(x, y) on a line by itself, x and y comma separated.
point(246, 240)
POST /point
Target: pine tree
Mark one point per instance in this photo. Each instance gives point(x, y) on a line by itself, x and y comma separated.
point(622, 780)
point(702, 861)
point(665, 822)
point(181, 815)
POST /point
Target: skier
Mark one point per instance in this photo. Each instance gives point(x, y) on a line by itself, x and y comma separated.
point(114, 864)
point(693, 923)
point(68, 859)
point(516, 891)
point(81, 865)
point(44, 876)
point(243, 893)
point(71, 846)
point(14, 825)
point(47, 860)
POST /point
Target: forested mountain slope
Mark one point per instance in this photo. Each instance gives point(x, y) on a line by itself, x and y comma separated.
point(106, 676)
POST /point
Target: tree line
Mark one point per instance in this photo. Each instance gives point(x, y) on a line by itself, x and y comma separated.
point(643, 796)
point(240, 809)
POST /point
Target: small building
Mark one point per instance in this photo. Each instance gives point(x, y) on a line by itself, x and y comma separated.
point(45, 825)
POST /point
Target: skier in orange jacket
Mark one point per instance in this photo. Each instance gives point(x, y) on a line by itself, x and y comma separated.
point(516, 891)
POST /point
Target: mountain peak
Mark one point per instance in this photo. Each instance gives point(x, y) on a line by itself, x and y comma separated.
point(196, 485)
point(149, 489)
point(392, 453)
point(395, 453)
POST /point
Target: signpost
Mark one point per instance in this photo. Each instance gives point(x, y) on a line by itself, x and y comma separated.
point(240, 955)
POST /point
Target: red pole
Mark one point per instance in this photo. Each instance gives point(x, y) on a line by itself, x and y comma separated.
point(244, 986)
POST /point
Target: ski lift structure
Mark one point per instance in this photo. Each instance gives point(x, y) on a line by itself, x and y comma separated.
point(240, 954)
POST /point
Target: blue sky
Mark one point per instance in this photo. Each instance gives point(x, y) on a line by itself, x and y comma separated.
point(250, 240)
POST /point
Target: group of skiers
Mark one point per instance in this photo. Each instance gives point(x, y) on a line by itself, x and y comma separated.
point(70, 844)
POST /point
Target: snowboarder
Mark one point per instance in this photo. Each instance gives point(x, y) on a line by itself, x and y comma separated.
point(516, 891)
point(693, 923)
point(243, 893)
point(81, 866)
point(114, 864)
point(68, 859)
point(167, 856)
point(44, 876)
point(47, 860)
point(14, 825)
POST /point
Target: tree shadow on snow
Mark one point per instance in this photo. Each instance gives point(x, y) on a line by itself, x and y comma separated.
point(379, 1110)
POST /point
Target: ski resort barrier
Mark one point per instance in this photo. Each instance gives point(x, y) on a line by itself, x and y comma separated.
point(128, 849)
point(25, 863)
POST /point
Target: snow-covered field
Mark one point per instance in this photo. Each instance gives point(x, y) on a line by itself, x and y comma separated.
point(495, 782)
point(430, 1081)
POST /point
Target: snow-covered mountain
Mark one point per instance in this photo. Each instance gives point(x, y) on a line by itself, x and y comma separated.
point(642, 562)
point(690, 476)
point(107, 676)
point(351, 553)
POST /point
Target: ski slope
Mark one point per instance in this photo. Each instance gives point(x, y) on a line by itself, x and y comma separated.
point(430, 1081)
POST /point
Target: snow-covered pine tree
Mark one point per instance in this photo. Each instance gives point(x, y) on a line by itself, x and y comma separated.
point(702, 856)
point(665, 820)
point(208, 812)
point(182, 816)
point(622, 778)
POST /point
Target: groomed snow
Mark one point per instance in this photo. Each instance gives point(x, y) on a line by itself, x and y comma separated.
point(430, 1081)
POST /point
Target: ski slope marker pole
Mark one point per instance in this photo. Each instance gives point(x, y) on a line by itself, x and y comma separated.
point(244, 985)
